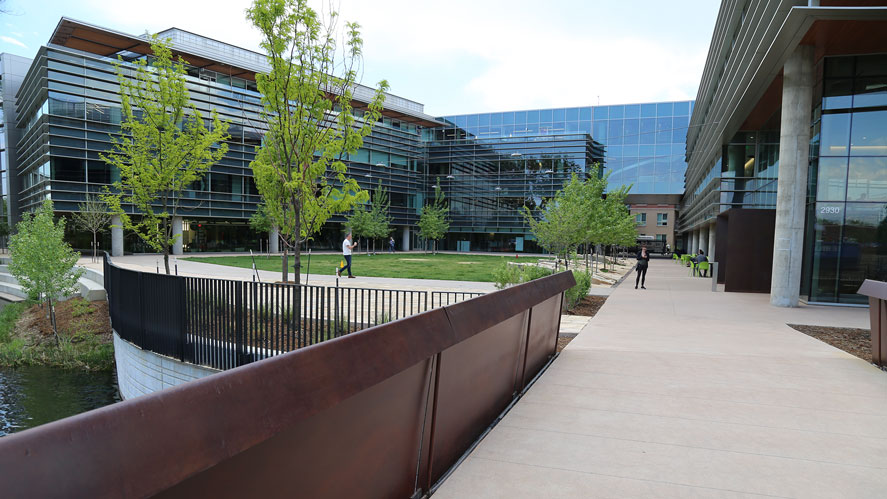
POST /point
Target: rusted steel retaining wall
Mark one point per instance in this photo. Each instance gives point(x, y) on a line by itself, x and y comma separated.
point(380, 413)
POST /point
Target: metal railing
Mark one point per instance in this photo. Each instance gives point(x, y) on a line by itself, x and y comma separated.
point(383, 413)
point(225, 324)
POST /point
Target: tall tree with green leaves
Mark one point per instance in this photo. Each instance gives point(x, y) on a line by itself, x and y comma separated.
point(379, 214)
point(92, 216)
point(618, 224)
point(562, 224)
point(434, 221)
point(307, 102)
point(41, 260)
point(164, 146)
point(360, 223)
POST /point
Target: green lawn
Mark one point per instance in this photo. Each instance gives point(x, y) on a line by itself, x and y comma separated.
point(464, 267)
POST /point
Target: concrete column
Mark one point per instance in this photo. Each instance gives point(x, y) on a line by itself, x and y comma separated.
point(694, 241)
point(177, 231)
point(405, 239)
point(703, 239)
point(791, 189)
point(711, 242)
point(116, 236)
point(273, 240)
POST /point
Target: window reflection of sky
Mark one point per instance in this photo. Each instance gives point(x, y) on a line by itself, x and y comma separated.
point(645, 143)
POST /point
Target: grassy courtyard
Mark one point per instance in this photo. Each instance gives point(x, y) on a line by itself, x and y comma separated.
point(461, 267)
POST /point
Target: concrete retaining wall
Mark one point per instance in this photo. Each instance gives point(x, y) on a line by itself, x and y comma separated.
point(140, 372)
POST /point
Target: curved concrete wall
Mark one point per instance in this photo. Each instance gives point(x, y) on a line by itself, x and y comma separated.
point(140, 372)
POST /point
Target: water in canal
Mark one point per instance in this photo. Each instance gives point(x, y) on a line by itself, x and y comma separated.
point(31, 396)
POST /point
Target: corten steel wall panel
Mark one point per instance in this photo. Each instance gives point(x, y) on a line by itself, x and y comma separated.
point(266, 411)
point(877, 293)
point(750, 249)
point(371, 438)
point(478, 379)
point(542, 336)
point(148, 444)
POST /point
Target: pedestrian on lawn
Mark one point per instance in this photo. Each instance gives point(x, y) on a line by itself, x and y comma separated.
point(347, 246)
point(391, 245)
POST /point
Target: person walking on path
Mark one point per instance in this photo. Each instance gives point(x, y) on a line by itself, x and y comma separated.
point(643, 261)
point(347, 246)
point(391, 245)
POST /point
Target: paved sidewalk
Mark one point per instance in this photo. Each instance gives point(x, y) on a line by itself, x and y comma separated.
point(676, 391)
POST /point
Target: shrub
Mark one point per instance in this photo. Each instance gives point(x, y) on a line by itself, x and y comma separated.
point(580, 290)
point(509, 275)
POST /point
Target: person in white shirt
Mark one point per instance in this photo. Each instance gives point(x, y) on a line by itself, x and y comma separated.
point(347, 246)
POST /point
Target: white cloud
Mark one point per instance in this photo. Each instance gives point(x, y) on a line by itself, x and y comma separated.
point(13, 41)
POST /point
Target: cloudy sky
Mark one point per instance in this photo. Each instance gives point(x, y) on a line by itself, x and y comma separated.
point(457, 56)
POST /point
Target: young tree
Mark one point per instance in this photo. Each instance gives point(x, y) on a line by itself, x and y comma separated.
point(163, 148)
point(562, 224)
point(42, 262)
point(434, 221)
point(360, 223)
point(618, 224)
point(93, 216)
point(379, 216)
point(307, 99)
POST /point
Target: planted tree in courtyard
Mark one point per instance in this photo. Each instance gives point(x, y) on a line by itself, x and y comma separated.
point(562, 224)
point(619, 228)
point(379, 214)
point(164, 146)
point(434, 221)
point(307, 102)
point(41, 260)
point(360, 223)
point(92, 216)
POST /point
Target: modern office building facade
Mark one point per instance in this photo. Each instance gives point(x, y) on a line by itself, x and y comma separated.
point(488, 165)
point(787, 149)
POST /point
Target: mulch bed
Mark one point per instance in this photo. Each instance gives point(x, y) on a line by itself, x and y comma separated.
point(92, 319)
point(588, 307)
point(854, 341)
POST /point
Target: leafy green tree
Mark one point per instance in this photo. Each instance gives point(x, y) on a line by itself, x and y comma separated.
point(617, 221)
point(360, 223)
point(434, 220)
point(563, 223)
point(259, 220)
point(41, 260)
point(307, 102)
point(92, 216)
point(164, 147)
point(379, 214)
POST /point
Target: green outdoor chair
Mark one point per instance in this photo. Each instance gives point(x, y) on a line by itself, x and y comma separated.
point(675, 257)
point(703, 266)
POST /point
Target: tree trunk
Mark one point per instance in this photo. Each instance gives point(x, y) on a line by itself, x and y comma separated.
point(55, 329)
point(95, 247)
point(284, 271)
point(166, 260)
point(297, 264)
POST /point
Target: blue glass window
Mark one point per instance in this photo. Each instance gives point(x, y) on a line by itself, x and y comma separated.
point(665, 109)
point(545, 116)
point(633, 111)
point(559, 115)
point(585, 114)
point(831, 181)
point(631, 131)
point(472, 120)
point(484, 120)
point(617, 112)
point(663, 150)
point(572, 114)
point(601, 113)
point(647, 150)
point(834, 135)
point(520, 117)
point(599, 131)
point(507, 118)
point(682, 109)
point(648, 110)
point(648, 131)
point(533, 116)
point(496, 119)
point(870, 92)
point(614, 132)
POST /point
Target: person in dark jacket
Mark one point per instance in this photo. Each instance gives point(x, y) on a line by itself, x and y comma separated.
point(643, 261)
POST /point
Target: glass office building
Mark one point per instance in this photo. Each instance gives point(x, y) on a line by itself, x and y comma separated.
point(644, 144)
point(488, 165)
point(846, 228)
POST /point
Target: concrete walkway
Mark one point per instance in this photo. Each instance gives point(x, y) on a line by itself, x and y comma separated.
point(676, 391)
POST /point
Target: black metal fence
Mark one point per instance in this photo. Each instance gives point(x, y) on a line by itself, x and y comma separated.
point(225, 324)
